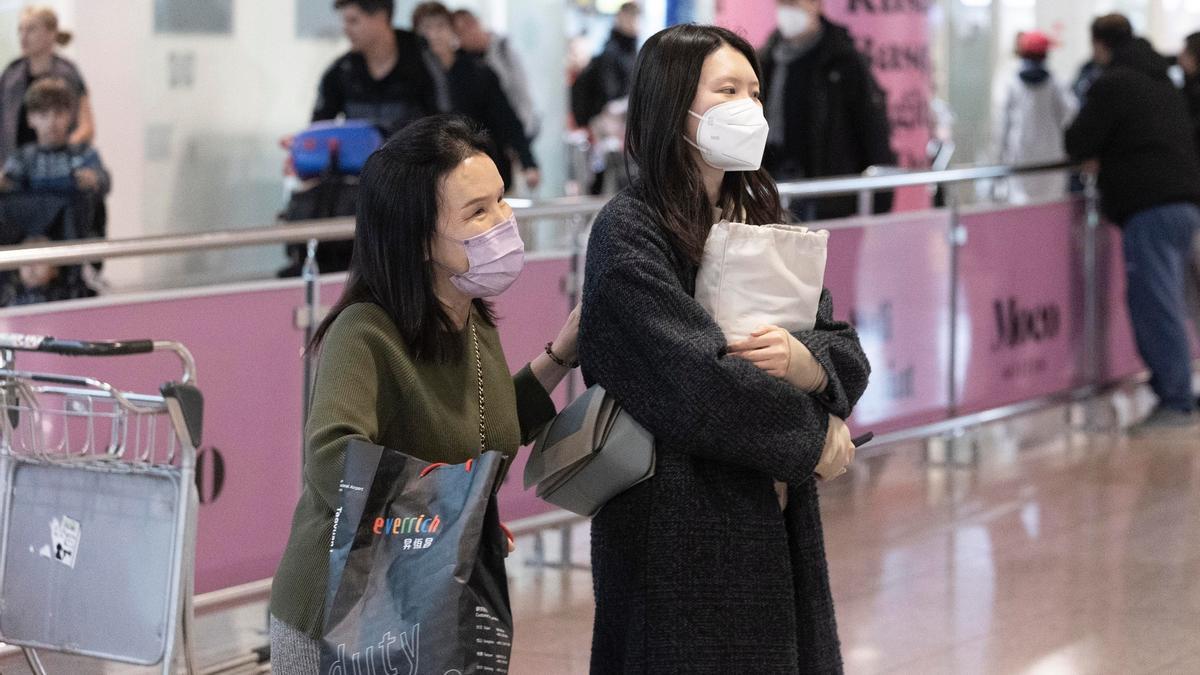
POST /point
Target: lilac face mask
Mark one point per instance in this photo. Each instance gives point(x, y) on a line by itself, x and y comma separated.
point(496, 259)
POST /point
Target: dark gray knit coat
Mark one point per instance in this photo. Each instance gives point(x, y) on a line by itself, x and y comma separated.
point(696, 570)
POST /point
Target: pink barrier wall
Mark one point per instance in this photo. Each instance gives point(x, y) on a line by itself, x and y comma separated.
point(901, 312)
point(1019, 325)
point(250, 369)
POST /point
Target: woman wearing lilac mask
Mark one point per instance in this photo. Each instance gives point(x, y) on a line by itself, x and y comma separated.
point(402, 353)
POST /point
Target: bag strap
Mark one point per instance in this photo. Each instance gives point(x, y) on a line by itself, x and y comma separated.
point(482, 400)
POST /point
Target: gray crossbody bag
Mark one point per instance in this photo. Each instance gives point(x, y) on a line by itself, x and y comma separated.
point(591, 452)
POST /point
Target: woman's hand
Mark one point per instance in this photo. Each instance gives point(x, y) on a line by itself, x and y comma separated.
point(566, 349)
point(781, 355)
point(766, 348)
point(36, 276)
point(838, 452)
point(566, 345)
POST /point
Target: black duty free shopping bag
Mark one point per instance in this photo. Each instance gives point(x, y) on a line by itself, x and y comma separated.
point(417, 583)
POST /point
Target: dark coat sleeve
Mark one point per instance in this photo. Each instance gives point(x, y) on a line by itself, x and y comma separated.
point(1089, 133)
point(870, 116)
point(331, 99)
point(870, 120)
point(535, 408)
point(649, 343)
point(836, 346)
point(502, 121)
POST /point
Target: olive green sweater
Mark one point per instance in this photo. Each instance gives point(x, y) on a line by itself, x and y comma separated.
point(369, 388)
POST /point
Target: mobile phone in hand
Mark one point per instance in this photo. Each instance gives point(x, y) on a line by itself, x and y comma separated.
point(863, 440)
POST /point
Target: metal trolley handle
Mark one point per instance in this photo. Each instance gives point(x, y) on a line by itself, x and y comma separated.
point(50, 345)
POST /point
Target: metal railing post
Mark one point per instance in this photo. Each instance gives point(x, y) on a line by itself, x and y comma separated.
point(866, 202)
point(956, 238)
point(1091, 290)
point(312, 299)
point(579, 226)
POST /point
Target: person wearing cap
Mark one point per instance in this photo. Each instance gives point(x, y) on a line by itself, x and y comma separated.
point(1033, 111)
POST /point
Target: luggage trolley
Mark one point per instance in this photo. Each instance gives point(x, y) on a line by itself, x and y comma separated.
point(97, 508)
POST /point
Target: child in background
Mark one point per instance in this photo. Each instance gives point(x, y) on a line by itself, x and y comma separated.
point(52, 163)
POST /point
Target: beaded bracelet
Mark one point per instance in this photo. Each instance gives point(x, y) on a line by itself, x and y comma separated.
point(554, 357)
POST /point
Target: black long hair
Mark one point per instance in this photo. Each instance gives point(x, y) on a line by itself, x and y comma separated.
point(664, 85)
point(397, 218)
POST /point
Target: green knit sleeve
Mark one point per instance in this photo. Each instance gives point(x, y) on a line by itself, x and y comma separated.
point(354, 388)
point(534, 407)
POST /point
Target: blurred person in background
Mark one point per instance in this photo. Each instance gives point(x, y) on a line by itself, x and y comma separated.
point(620, 53)
point(1136, 125)
point(60, 186)
point(600, 98)
point(828, 115)
point(466, 85)
point(40, 36)
point(52, 162)
point(1033, 112)
point(499, 55)
point(382, 78)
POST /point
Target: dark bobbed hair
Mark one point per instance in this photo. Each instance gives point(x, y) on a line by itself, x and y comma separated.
point(665, 79)
point(1112, 30)
point(398, 199)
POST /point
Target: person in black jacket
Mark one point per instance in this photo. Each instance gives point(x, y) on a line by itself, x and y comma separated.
point(828, 115)
point(466, 85)
point(620, 52)
point(1136, 125)
point(703, 568)
point(382, 78)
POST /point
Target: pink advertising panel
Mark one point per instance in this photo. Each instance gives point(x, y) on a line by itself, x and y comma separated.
point(752, 19)
point(248, 354)
point(894, 37)
point(892, 281)
point(1021, 326)
point(249, 369)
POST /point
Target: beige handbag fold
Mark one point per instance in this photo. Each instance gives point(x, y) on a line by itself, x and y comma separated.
point(760, 275)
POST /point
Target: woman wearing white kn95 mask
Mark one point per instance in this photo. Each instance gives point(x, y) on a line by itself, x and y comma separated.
point(701, 568)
